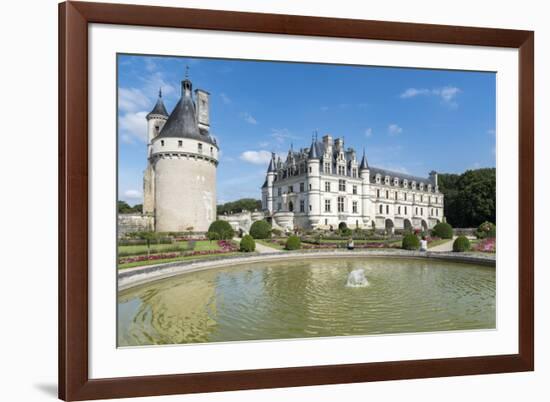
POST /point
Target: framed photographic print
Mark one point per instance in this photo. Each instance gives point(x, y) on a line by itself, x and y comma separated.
point(260, 200)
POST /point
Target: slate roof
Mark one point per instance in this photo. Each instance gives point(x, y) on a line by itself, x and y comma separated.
point(159, 108)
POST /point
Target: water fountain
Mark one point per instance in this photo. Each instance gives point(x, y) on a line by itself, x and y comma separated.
point(357, 279)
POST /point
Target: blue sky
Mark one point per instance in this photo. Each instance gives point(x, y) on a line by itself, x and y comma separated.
point(408, 120)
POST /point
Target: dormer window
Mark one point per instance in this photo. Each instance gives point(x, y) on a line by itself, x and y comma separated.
point(396, 181)
point(157, 128)
point(161, 143)
point(413, 185)
point(378, 178)
point(405, 183)
point(387, 180)
point(430, 188)
point(421, 186)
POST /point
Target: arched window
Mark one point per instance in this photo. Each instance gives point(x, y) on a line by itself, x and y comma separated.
point(381, 209)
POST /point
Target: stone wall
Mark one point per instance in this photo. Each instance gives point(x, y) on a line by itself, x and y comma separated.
point(134, 223)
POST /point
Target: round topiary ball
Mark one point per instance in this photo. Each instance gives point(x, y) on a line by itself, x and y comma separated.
point(247, 244)
point(293, 243)
point(443, 230)
point(461, 244)
point(260, 230)
point(410, 242)
point(223, 229)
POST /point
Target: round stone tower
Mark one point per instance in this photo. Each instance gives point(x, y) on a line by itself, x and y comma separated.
point(184, 157)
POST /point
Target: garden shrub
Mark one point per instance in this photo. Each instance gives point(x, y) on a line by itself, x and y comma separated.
point(212, 236)
point(461, 244)
point(260, 230)
point(486, 230)
point(443, 230)
point(247, 244)
point(223, 229)
point(342, 226)
point(293, 243)
point(345, 232)
point(276, 232)
point(410, 242)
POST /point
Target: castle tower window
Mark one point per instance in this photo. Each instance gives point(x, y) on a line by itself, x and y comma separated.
point(381, 209)
point(310, 187)
point(301, 187)
point(421, 211)
point(310, 170)
point(340, 204)
point(310, 208)
point(416, 211)
point(180, 143)
point(327, 186)
point(387, 209)
point(436, 212)
point(354, 207)
point(327, 205)
point(354, 189)
point(302, 206)
point(200, 148)
point(161, 143)
point(212, 151)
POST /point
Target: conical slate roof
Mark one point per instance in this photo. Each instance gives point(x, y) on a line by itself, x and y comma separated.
point(313, 151)
point(159, 108)
point(364, 163)
point(271, 167)
point(182, 122)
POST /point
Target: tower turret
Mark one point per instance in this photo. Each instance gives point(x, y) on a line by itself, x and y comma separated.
point(270, 179)
point(364, 173)
point(314, 185)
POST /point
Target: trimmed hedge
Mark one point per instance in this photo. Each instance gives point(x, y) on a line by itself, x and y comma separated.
point(410, 242)
point(247, 244)
point(443, 230)
point(461, 244)
point(293, 243)
point(260, 230)
point(222, 228)
point(486, 230)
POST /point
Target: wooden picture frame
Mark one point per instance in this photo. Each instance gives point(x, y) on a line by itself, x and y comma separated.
point(74, 381)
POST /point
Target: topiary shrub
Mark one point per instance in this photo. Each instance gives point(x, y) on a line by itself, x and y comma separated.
point(461, 244)
point(247, 244)
point(223, 229)
point(410, 242)
point(486, 230)
point(212, 236)
point(443, 230)
point(293, 243)
point(260, 230)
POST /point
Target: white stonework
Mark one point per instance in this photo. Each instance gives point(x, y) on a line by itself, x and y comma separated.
point(323, 185)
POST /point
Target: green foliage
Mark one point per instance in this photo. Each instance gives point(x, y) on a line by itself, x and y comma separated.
point(470, 198)
point(247, 244)
point(342, 226)
point(260, 230)
point(293, 243)
point(276, 232)
point(443, 230)
point(346, 232)
point(124, 208)
point(223, 229)
point(248, 204)
point(410, 242)
point(461, 244)
point(486, 230)
point(213, 236)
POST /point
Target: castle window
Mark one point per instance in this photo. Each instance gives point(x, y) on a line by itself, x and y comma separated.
point(378, 179)
point(279, 191)
point(161, 143)
point(416, 211)
point(327, 167)
point(396, 182)
point(310, 187)
point(421, 211)
point(180, 143)
point(378, 193)
point(381, 209)
point(341, 170)
point(405, 210)
point(200, 148)
point(310, 208)
point(405, 196)
point(387, 180)
point(354, 172)
point(278, 206)
point(341, 185)
point(387, 209)
point(405, 183)
point(396, 195)
point(290, 206)
point(354, 189)
point(421, 198)
point(387, 194)
point(398, 210)
point(436, 212)
point(301, 187)
point(290, 189)
point(327, 205)
point(327, 186)
point(354, 207)
point(212, 151)
point(310, 169)
point(302, 206)
point(326, 221)
point(340, 204)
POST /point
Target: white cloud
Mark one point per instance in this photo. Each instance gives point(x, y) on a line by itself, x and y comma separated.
point(394, 129)
point(447, 94)
point(132, 194)
point(249, 118)
point(282, 134)
point(133, 100)
point(133, 126)
point(256, 157)
point(225, 99)
point(368, 132)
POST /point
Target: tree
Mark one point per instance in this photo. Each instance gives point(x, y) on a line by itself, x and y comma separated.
point(124, 208)
point(147, 236)
point(260, 230)
point(470, 198)
point(248, 204)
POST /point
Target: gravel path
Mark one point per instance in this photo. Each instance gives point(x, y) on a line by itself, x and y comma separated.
point(261, 248)
point(445, 247)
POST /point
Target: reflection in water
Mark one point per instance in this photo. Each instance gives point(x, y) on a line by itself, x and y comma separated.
point(296, 299)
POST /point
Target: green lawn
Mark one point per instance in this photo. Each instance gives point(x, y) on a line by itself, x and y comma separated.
point(189, 258)
point(206, 245)
point(438, 242)
point(138, 249)
point(269, 244)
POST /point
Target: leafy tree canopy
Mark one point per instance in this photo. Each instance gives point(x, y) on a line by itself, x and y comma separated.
point(249, 204)
point(124, 208)
point(470, 198)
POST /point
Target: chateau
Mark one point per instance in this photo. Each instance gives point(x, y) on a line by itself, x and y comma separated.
point(179, 182)
point(325, 184)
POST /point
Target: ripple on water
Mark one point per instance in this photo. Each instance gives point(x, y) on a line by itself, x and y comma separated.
point(274, 300)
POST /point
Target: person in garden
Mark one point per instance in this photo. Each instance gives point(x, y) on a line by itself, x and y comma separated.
point(350, 244)
point(423, 244)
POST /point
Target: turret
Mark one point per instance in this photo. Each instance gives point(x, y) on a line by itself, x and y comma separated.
point(314, 184)
point(270, 179)
point(364, 173)
point(156, 119)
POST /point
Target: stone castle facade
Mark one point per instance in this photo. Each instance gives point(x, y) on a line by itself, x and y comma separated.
point(325, 184)
point(179, 182)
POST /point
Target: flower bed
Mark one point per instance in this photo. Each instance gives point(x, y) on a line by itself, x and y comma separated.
point(225, 247)
point(488, 245)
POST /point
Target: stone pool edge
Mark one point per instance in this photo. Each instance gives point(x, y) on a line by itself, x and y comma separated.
point(132, 277)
